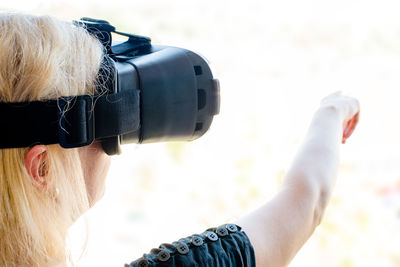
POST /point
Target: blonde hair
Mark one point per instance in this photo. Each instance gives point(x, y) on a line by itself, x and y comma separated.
point(42, 58)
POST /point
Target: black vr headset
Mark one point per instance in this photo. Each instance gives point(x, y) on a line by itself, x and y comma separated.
point(154, 94)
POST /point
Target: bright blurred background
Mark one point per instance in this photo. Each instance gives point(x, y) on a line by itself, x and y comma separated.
point(275, 61)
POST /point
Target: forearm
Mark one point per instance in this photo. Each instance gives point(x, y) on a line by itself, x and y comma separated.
point(278, 229)
point(315, 166)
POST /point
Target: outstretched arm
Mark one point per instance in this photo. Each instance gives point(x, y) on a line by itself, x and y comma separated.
point(278, 229)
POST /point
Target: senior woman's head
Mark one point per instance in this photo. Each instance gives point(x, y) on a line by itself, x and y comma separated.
point(44, 189)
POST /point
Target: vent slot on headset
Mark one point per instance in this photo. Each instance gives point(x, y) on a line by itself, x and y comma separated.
point(201, 98)
point(199, 126)
point(198, 70)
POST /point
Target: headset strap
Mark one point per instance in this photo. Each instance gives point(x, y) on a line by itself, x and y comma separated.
point(102, 29)
point(69, 121)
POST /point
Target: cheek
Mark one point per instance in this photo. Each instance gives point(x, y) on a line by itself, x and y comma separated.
point(95, 170)
point(103, 170)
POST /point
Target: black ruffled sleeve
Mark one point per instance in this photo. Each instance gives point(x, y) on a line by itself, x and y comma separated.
point(224, 246)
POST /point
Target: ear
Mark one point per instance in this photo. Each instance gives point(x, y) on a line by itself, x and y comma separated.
point(36, 166)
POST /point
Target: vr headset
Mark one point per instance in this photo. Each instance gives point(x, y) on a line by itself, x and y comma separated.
point(153, 93)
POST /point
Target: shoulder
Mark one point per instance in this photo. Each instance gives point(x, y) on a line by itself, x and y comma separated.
point(226, 245)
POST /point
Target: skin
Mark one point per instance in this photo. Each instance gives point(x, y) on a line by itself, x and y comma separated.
point(279, 228)
point(95, 163)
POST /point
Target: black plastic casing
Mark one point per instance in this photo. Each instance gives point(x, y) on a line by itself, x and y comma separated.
point(178, 96)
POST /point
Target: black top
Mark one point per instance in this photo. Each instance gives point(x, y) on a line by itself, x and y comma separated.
point(226, 245)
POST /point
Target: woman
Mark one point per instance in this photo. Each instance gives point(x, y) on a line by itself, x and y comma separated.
point(45, 188)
